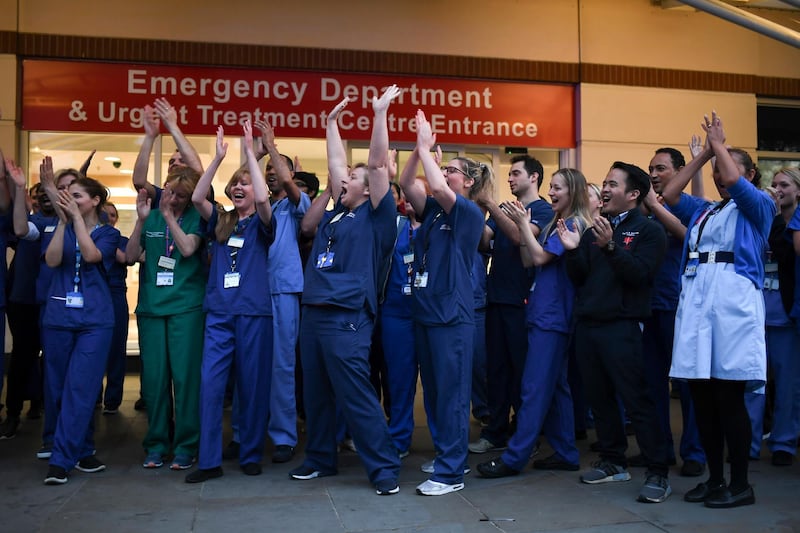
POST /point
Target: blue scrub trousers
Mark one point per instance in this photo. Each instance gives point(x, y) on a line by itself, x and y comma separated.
point(546, 401)
point(282, 426)
point(74, 367)
point(657, 340)
point(445, 365)
point(480, 402)
point(397, 336)
point(783, 350)
point(117, 356)
point(334, 346)
point(246, 342)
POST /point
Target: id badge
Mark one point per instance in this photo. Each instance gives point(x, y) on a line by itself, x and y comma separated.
point(421, 280)
point(770, 266)
point(325, 260)
point(231, 280)
point(49, 229)
point(75, 300)
point(691, 268)
point(408, 258)
point(235, 242)
point(407, 290)
point(164, 279)
point(166, 262)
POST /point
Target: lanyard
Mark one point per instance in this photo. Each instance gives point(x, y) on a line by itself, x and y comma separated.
point(169, 244)
point(410, 264)
point(427, 242)
point(707, 215)
point(77, 279)
point(238, 230)
point(330, 228)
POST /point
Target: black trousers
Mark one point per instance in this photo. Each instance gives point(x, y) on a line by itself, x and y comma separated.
point(23, 322)
point(610, 361)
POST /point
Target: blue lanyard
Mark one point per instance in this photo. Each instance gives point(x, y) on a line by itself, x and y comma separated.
point(77, 279)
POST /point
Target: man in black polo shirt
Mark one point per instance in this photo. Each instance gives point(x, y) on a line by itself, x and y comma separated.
point(613, 266)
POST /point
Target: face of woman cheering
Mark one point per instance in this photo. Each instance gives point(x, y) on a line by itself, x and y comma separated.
point(559, 195)
point(241, 192)
point(786, 189)
point(457, 178)
point(86, 204)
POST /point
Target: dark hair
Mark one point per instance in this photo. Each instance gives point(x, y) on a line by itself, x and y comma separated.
point(311, 181)
point(396, 187)
point(93, 188)
point(531, 165)
point(67, 172)
point(636, 179)
point(677, 158)
point(747, 163)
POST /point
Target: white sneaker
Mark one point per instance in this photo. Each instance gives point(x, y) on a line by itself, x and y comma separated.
point(428, 468)
point(434, 488)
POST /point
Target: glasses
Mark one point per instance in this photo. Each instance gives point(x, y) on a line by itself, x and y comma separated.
point(450, 170)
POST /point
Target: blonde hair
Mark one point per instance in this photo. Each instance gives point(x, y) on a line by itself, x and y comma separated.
point(226, 220)
point(578, 200)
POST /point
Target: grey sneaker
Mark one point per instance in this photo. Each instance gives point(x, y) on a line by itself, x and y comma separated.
point(656, 489)
point(604, 472)
point(484, 445)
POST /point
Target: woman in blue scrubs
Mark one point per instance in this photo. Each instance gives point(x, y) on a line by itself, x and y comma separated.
point(239, 312)
point(546, 399)
point(340, 302)
point(443, 302)
point(77, 326)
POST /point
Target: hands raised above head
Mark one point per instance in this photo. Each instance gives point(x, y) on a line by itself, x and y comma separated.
point(382, 104)
point(267, 134)
point(426, 139)
point(15, 173)
point(152, 124)
point(221, 145)
point(334, 114)
point(713, 128)
point(166, 112)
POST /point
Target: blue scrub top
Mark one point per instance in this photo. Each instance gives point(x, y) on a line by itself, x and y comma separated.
point(284, 265)
point(24, 269)
point(479, 279)
point(509, 282)
point(252, 296)
point(361, 241)
point(553, 296)
point(396, 303)
point(119, 271)
point(667, 286)
point(794, 225)
point(45, 277)
point(447, 245)
point(93, 284)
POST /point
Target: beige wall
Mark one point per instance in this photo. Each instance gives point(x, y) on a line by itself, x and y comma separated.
point(630, 123)
point(8, 86)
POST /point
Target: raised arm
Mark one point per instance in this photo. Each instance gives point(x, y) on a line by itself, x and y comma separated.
point(696, 147)
point(260, 192)
point(133, 251)
point(378, 159)
point(308, 226)
point(728, 170)
point(415, 193)
point(337, 158)
point(170, 119)
point(20, 210)
point(672, 224)
point(672, 190)
point(201, 203)
point(151, 126)
point(86, 164)
point(282, 172)
point(426, 140)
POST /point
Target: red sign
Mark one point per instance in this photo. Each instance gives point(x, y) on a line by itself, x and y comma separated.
point(109, 97)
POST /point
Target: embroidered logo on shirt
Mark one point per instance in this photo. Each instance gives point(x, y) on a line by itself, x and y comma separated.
point(445, 227)
point(154, 234)
point(628, 238)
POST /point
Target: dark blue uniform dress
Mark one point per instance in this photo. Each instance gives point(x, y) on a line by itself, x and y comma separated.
point(444, 326)
point(238, 332)
point(76, 340)
point(340, 302)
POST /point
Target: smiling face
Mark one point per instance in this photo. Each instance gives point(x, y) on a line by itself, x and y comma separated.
point(661, 170)
point(272, 179)
point(111, 213)
point(559, 195)
point(614, 196)
point(457, 178)
point(175, 162)
point(86, 204)
point(787, 190)
point(240, 191)
point(181, 196)
point(354, 188)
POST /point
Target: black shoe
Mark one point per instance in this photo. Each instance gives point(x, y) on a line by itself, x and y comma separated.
point(304, 473)
point(8, 429)
point(204, 474)
point(692, 468)
point(251, 469)
point(595, 446)
point(35, 411)
point(554, 462)
point(90, 465)
point(496, 468)
point(231, 451)
point(779, 458)
point(580, 434)
point(140, 405)
point(703, 491)
point(55, 476)
point(723, 499)
point(283, 453)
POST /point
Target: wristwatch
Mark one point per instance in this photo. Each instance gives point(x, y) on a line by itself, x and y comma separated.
point(610, 246)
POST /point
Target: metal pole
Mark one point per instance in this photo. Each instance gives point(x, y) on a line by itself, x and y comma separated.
point(794, 3)
point(747, 20)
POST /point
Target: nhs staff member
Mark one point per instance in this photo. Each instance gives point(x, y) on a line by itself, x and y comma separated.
point(340, 302)
point(239, 314)
point(443, 306)
point(77, 326)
